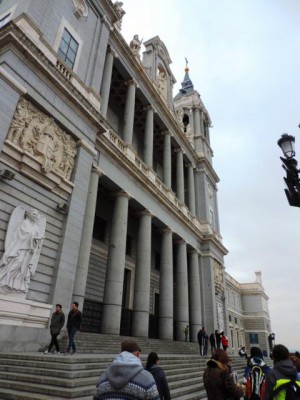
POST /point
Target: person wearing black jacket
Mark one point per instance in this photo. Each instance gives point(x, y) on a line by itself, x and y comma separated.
point(159, 376)
point(73, 325)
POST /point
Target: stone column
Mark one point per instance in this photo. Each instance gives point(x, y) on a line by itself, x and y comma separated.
point(191, 189)
point(180, 175)
point(67, 258)
point(182, 293)
point(166, 312)
point(140, 323)
point(112, 303)
point(86, 238)
point(106, 81)
point(167, 160)
point(129, 111)
point(194, 296)
point(148, 146)
point(197, 131)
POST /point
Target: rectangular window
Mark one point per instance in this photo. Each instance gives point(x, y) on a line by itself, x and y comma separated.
point(4, 20)
point(157, 261)
point(99, 229)
point(229, 318)
point(68, 48)
point(128, 245)
point(253, 338)
point(235, 320)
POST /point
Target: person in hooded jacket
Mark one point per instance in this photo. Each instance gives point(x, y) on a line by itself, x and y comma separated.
point(218, 382)
point(283, 369)
point(255, 359)
point(158, 375)
point(126, 378)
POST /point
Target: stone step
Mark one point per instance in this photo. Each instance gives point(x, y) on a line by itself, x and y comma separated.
point(48, 390)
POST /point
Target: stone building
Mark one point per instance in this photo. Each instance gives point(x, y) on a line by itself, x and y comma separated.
point(92, 139)
point(248, 314)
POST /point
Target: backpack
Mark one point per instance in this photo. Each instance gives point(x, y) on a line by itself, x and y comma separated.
point(292, 388)
point(255, 385)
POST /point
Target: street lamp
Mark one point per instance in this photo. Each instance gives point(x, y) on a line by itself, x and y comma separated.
point(287, 145)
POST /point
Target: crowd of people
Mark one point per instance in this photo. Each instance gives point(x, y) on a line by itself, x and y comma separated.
point(126, 378)
point(260, 381)
point(216, 340)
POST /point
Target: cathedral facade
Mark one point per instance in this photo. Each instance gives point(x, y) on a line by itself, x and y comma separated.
point(95, 146)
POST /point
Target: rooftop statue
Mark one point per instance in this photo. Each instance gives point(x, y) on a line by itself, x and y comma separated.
point(135, 45)
point(23, 243)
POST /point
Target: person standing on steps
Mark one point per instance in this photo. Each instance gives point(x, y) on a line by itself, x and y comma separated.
point(73, 325)
point(186, 333)
point(212, 342)
point(57, 322)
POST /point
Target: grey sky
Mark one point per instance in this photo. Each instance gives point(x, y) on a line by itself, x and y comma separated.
point(244, 59)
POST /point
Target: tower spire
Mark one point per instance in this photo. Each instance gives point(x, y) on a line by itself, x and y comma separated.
point(186, 85)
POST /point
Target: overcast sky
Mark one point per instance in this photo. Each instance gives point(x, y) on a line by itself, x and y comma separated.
point(244, 59)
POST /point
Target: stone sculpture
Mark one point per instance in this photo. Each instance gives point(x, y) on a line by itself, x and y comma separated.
point(23, 243)
point(39, 135)
point(135, 45)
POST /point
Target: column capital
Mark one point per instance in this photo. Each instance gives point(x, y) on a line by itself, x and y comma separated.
point(131, 82)
point(180, 241)
point(149, 107)
point(189, 164)
point(178, 150)
point(97, 170)
point(112, 52)
point(166, 229)
point(122, 193)
point(144, 212)
point(167, 132)
point(194, 251)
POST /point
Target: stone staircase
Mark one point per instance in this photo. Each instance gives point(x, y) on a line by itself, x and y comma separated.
point(36, 376)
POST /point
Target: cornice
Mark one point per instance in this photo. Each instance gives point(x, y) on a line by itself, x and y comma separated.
point(12, 35)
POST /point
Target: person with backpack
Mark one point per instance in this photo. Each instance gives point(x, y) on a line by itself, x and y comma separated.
point(281, 382)
point(255, 375)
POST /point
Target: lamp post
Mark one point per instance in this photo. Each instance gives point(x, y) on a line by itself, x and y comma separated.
point(287, 145)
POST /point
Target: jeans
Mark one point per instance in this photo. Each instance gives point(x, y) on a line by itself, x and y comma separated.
point(71, 344)
point(54, 342)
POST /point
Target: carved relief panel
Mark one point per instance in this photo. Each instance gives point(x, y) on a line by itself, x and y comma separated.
point(37, 137)
point(218, 271)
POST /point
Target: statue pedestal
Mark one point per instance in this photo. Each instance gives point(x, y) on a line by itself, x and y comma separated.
point(16, 310)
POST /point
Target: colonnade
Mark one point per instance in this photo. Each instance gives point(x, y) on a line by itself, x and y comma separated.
point(186, 309)
point(184, 168)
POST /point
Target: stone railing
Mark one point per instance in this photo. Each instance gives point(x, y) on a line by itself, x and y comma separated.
point(151, 176)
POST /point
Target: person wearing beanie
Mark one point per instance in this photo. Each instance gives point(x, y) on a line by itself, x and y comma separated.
point(126, 378)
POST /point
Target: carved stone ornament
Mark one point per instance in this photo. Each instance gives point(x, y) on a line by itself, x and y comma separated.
point(37, 134)
point(23, 244)
point(218, 272)
point(81, 8)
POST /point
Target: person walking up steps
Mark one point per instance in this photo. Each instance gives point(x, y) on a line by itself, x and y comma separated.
point(158, 375)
